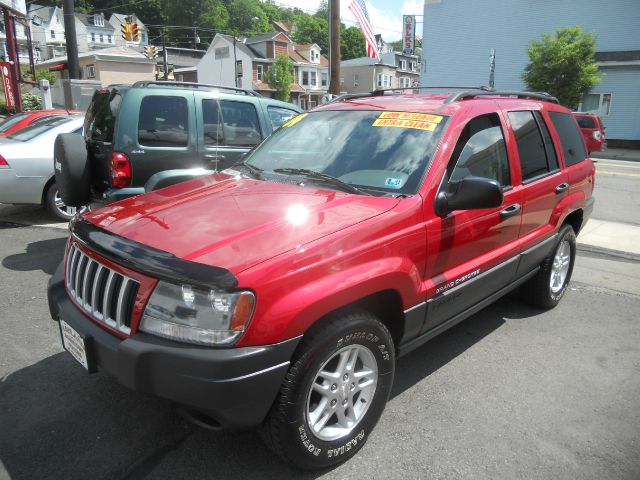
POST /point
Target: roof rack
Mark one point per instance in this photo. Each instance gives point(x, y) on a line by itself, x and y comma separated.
point(196, 85)
point(456, 97)
point(384, 91)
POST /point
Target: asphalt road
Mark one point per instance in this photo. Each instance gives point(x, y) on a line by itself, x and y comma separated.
point(510, 393)
point(617, 192)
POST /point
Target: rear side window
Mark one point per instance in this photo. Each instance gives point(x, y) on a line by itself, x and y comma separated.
point(163, 121)
point(230, 123)
point(481, 152)
point(570, 137)
point(278, 115)
point(586, 122)
point(100, 121)
point(531, 146)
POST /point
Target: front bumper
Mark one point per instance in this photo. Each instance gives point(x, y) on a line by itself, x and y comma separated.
point(234, 386)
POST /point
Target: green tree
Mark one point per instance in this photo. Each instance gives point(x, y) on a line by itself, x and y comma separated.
point(280, 77)
point(352, 43)
point(563, 64)
point(46, 75)
point(312, 29)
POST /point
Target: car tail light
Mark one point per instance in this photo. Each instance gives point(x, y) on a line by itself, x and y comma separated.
point(3, 162)
point(120, 170)
point(597, 135)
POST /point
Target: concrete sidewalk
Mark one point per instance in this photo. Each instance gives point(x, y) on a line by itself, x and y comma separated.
point(628, 154)
point(611, 238)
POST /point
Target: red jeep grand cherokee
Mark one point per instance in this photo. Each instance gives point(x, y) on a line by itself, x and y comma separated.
point(279, 293)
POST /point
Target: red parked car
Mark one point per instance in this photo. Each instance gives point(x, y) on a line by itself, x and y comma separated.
point(592, 130)
point(278, 293)
point(18, 121)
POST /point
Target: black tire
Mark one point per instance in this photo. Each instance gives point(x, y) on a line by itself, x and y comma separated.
point(63, 213)
point(287, 431)
point(71, 165)
point(538, 290)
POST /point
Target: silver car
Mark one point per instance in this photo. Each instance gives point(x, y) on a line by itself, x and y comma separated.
point(26, 165)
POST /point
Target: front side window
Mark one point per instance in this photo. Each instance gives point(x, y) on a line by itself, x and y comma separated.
point(570, 137)
point(230, 123)
point(163, 121)
point(382, 153)
point(481, 152)
point(531, 149)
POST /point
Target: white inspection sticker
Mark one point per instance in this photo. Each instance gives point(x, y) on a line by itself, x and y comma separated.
point(393, 182)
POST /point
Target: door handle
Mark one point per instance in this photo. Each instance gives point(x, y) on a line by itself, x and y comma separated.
point(215, 156)
point(562, 188)
point(510, 211)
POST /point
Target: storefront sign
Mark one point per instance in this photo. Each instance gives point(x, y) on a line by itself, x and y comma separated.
point(408, 33)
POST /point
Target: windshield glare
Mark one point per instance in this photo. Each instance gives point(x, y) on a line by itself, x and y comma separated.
point(380, 152)
point(35, 129)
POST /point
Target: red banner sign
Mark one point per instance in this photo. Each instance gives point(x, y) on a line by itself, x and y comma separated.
point(7, 83)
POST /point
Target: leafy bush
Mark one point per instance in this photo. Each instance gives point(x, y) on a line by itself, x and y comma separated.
point(46, 75)
point(31, 102)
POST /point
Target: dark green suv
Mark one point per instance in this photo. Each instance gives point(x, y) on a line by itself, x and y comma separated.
point(149, 135)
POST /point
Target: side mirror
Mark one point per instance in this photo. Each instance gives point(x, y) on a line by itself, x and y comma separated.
point(467, 194)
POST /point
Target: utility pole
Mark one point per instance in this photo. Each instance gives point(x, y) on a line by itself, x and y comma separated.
point(165, 66)
point(334, 46)
point(72, 42)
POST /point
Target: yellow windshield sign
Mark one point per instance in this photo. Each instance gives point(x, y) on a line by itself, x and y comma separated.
point(418, 121)
point(294, 120)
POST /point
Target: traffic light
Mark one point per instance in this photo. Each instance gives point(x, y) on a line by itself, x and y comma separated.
point(126, 31)
point(136, 34)
point(151, 51)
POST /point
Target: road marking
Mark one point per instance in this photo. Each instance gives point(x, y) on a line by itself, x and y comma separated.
point(604, 172)
point(615, 165)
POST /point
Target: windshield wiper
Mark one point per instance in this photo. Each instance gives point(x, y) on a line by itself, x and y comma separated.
point(256, 172)
point(339, 184)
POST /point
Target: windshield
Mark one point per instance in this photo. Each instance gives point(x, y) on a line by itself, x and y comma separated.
point(378, 152)
point(11, 121)
point(37, 128)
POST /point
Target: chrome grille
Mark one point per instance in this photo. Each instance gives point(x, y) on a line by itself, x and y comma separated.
point(106, 295)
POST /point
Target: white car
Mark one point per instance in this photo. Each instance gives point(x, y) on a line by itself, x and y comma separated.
point(26, 165)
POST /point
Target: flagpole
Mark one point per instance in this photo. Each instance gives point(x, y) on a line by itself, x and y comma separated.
point(334, 46)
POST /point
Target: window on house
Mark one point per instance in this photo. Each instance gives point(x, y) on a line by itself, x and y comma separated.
point(109, 38)
point(53, 34)
point(221, 52)
point(91, 71)
point(98, 20)
point(163, 121)
point(481, 152)
point(414, 66)
point(402, 64)
point(305, 78)
point(259, 72)
point(323, 79)
point(101, 38)
point(356, 80)
point(596, 103)
point(384, 80)
point(313, 79)
point(534, 160)
point(93, 37)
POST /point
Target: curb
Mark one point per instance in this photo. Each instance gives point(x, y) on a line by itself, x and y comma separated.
point(583, 247)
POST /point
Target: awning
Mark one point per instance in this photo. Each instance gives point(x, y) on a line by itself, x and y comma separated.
point(59, 67)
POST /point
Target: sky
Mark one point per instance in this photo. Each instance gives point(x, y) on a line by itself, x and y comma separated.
point(385, 15)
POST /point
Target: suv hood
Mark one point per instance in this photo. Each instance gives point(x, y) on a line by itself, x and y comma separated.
point(235, 223)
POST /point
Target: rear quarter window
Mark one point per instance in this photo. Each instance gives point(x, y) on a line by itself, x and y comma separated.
point(100, 121)
point(570, 137)
point(586, 122)
point(163, 121)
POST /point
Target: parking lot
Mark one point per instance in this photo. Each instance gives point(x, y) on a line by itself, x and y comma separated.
point(510, 393)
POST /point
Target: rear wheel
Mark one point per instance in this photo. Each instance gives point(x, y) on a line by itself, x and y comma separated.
point(55, 206)
point(334, 393)
point(549, 285)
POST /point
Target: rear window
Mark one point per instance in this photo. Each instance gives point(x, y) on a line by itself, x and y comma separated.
point(570, 137)
point(163, 121)
point(100, 121)
point(12, 120)
point(586, 122)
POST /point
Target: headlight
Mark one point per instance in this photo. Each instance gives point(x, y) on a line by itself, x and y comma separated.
point(195, 315)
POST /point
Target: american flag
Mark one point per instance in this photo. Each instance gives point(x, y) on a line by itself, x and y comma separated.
point(359, 10)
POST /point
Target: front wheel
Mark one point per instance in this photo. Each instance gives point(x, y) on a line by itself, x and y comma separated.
point(55, 206)
point(549, 285)
point(334, 392)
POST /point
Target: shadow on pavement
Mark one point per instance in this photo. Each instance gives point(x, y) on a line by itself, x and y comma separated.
point(43, 255)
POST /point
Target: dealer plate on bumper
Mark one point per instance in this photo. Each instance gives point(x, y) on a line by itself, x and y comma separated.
point(75, 344)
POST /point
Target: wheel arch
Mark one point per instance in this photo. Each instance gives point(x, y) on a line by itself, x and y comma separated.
point(47, 185)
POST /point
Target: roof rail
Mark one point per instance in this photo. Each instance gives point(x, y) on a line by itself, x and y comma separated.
point(456, 97)
point(196, 85)
point(384, 91)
